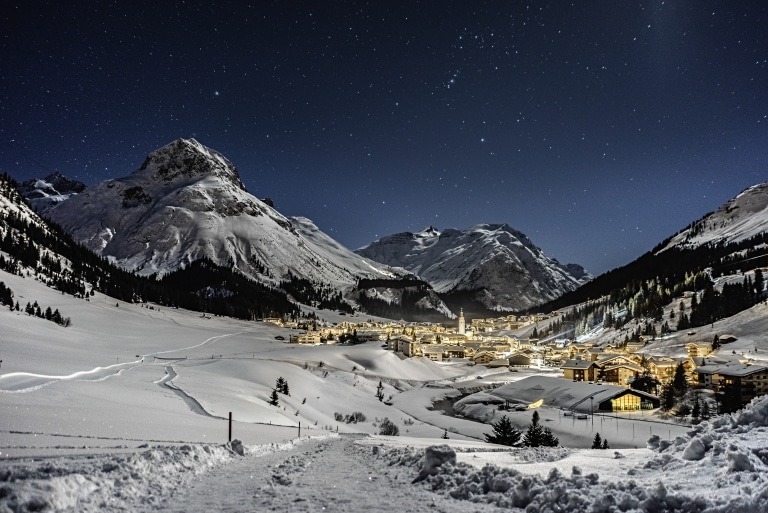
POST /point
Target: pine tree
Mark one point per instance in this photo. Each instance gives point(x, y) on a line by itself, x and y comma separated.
point(667, 397)
point(281, 385)
point(445, 435)
point(380, 392)
point(537, 436)
point(605, 444)
point(504, 433)
point(597, 442)
point(704, 414)
point(679, 382)
point(549, 439)
point(274, 400)
point(696, 411)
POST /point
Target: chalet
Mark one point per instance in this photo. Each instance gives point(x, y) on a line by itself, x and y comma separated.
point(698, 349)
point(453, 338)
point(406, 346)
point(312, 338)
point(618, 369)
point(498, 362)
point(580, 370)
point(434, 352)
point(519, 360)
point(750, 380)
point(484, 357)
point(455, 351)
point(662, 368)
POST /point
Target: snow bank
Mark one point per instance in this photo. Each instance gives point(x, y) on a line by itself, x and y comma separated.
point(119, 481)
point(719, 466)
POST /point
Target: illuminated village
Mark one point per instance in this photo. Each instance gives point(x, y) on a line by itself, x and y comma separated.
point(496, 343)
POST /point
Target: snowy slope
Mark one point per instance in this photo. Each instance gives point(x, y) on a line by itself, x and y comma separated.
point(187, 202)
point(741, 218)
point(514, 272)
point(12, 204)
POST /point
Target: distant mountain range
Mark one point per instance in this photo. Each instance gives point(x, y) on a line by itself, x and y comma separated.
point(498, 266)
point(186, 204)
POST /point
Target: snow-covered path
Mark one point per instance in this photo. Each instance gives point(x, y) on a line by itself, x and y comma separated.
point(331, 474)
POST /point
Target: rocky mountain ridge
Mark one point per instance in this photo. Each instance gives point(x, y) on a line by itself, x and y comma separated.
point(500, 265)
point(44, 193)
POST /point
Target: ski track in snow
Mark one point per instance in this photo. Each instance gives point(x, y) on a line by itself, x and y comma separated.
point(194, 405)
point(21, 382)
point(16, 382)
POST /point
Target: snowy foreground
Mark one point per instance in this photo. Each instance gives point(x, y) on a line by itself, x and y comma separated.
point(719, 467)
point(127, 410)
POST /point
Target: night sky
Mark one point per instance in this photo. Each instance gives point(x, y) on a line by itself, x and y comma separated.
point(597, 128)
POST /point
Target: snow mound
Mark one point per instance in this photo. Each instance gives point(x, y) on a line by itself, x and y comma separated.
point(719, 466)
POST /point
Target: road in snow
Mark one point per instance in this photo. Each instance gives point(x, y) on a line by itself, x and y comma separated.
point(319, 475)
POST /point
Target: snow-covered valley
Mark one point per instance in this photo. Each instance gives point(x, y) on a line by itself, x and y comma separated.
point(127, 409)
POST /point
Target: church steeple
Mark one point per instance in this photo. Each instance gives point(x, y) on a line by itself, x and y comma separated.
point(462, 324)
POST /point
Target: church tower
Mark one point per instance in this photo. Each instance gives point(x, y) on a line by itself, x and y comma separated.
point(462, 324)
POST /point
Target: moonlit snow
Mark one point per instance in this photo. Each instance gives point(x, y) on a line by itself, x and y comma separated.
point(127, 410)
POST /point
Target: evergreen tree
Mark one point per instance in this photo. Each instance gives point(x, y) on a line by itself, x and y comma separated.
point(504, 433)
point(549, 439)
point(597, 442)
point(696, 411)
point(388, 428)
point(281, 385)
point(445, 435)
point(758, 285)
point(716, 343)
point(679, 382)
point(605, 444)
point(704, 410)
point(537, 436)
point(667, 397)
point(274, 400)
point(380, 392)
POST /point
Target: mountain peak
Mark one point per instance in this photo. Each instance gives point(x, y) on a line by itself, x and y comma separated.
point(187, 158)
point(430, 231)
point(43, 193)
point(498, 264)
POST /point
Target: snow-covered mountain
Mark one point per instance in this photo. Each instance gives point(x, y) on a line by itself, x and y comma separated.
point(505, 268)
point(43, 193)
point(741, 218)
point(185, 203)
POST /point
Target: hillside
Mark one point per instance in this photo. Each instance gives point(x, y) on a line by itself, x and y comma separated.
point(733, 239)
point(742, 218)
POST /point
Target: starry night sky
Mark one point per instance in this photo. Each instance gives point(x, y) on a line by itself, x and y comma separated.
point(597, 128)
